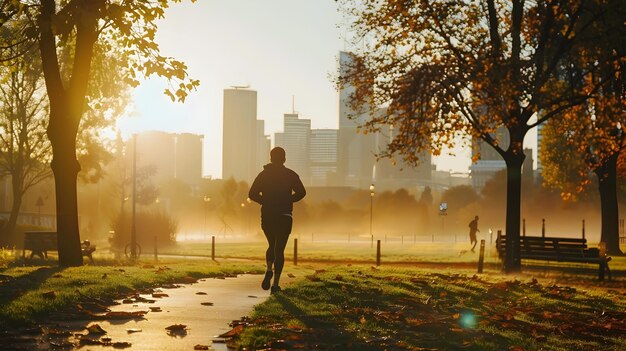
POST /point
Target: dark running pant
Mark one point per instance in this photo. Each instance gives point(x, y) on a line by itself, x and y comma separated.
point(277, 229)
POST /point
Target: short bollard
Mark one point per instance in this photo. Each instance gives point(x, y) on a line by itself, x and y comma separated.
point(213, 247)
point(156, 253)
point(543, 227)
point(295, 251)
point(481, 257)
point(378, 252)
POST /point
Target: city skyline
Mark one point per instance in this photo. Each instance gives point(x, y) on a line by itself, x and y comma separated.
point(292, 57)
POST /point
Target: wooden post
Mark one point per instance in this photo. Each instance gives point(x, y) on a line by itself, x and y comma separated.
point(524, 227)
point(295, 252)
point(543, 227)
point(481, 257)
point(583, 229)
point(156, 254)
point(213, 247)
point(378, 252)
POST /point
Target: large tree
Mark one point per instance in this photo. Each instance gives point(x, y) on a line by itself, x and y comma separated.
point(24, 148)
point(87, 26)
point(452, 68)
point(591, 135)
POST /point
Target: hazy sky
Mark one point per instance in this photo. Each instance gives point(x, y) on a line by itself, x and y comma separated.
point(281, 48)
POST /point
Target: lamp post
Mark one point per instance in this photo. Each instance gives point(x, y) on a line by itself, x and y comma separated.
point(133, 230)
point(371, 213)
point(206, 209)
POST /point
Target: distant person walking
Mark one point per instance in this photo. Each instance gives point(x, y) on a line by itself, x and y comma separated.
point(276, 188)
point(473, 225)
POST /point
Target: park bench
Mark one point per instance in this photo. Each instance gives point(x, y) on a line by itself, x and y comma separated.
point(558, 250)
point(39, 243)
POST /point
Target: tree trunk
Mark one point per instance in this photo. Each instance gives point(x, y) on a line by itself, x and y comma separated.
point(65, 167)
point(512, 261)
point(607, 180)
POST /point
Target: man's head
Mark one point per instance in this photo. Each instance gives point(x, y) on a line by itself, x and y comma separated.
point(277, 155)
point(476, 218)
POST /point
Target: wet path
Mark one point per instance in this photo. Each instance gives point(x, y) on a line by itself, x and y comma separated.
point(231, 298)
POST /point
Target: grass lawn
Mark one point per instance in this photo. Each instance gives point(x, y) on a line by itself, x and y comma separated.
point(355, 251)
point(399, 308)
point(30, 293)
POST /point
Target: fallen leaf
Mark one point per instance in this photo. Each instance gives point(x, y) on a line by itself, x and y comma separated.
point(58, 275)
point(96, 329)
point(133, 330)
point(206, 303)
point(456, 316)
point(49, 295)
point(176, 327)
point(201, 347)
point(104, 276)
point(362, 320)
point(290, 275)
point(148, 266)
point(200, 293)
point(155, 309)
point(233, 332)
point(121, 345)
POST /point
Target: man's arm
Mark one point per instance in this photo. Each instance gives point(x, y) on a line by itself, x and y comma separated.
point(298, 190)
point(255, 191)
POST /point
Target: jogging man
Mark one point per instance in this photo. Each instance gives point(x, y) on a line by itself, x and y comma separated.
point(473, 225)
point(276, 188)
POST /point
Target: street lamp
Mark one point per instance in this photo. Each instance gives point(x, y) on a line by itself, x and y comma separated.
point(371, 212)
point(206, 209)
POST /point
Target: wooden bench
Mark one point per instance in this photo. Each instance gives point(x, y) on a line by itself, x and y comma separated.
point(558, 250)
point(39, 243)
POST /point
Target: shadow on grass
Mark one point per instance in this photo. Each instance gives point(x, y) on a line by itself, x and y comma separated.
point(333, 336)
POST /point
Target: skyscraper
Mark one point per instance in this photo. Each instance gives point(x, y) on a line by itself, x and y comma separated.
point(295, 139)
point(355, 151)
point(240, 154)
point(323, 156)
point(189, 158)
point(489, 160)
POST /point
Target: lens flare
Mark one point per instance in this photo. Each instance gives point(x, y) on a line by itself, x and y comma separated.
point(467, 320)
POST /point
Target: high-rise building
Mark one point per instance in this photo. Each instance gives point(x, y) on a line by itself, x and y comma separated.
point(189, 158)
point(171, 156)
point(355, 151)
point(240, 154)
point(393, 173)
point(156, 149)
point(489, 160)
point(323, 156)
point(263, 146)
point(295, 139)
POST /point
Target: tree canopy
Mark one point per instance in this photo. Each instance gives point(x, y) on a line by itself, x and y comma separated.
point(445, 69)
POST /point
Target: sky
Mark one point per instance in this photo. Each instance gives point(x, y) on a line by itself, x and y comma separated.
point(286, 50)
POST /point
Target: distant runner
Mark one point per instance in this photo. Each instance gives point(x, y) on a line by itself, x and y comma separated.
point(473, 225)
point(276, 188)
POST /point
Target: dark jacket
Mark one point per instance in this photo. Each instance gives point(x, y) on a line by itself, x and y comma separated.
point(276, 188)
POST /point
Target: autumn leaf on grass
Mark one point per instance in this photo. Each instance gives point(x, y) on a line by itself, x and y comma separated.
point(516, 348)
point(233, 332)
point(313, 278)
point(201, 293)
point(96, 329)
point(49, 295)
point(290, 275)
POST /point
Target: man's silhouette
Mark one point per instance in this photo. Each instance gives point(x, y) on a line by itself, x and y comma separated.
point(276, 188)
point(473, 225)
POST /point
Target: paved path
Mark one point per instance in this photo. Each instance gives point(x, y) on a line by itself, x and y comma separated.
point(232, 298)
